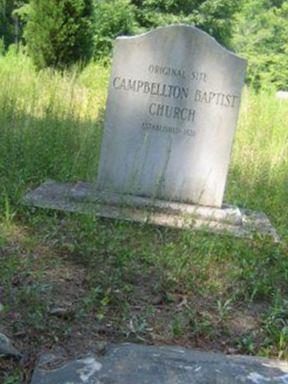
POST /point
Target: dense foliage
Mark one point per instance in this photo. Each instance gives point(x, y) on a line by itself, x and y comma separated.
point(112, 18)
point(59, 32)
point(261, 31)
point(10, 23)
point(214, 17)
point(116, 17)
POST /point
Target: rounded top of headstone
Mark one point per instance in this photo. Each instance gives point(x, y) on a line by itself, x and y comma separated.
point(181, 28)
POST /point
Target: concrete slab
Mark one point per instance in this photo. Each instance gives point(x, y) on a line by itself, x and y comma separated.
point(82, 197)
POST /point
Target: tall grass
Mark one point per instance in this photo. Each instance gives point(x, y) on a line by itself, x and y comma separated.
point(259, 169)
point(50, 126)
point(50, 123)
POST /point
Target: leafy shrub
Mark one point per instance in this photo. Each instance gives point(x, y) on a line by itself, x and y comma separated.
point(125, 17)
point(112, 18)
point(59, 32)
point(260, 35)
point(214, 17)
point(7, 28)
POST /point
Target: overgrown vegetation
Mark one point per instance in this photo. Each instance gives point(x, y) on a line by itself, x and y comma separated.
point(214, 17)
point(117, 281)
point(65, 278)
point(112, 18)
point(260, 35)
point(58, 34)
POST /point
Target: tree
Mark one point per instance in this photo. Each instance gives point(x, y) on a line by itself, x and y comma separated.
point(10, 25)
point(112, 18)
point(260, 35)
point(213, 16)
point(59, 33)
point(118, 17)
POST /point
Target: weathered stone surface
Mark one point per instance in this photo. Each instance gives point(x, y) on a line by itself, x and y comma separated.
point(137, 364)
point(7, 349)
point(82, 197)
point(171, 114)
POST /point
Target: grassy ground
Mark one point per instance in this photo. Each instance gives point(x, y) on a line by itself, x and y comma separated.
point(75, 281)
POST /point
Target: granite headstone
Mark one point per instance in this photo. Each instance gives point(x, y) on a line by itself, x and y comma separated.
point(171, 115)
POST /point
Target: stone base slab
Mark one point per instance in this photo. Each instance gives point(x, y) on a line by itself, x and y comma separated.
point(85, 198)
point(139, 364)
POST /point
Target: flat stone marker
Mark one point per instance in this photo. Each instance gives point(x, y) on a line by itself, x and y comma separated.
point(171, 114)
point(137, 364)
